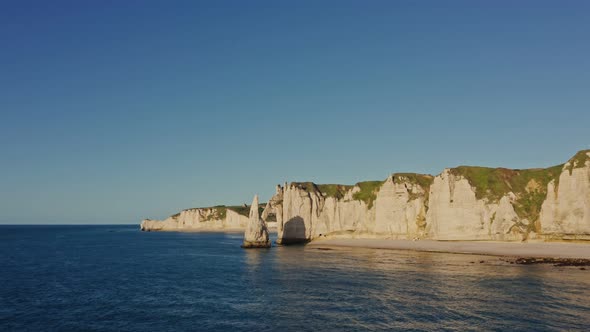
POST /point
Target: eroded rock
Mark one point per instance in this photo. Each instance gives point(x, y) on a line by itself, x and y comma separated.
point(256, 235)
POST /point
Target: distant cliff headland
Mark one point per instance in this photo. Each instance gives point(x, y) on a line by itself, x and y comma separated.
point(462, 203)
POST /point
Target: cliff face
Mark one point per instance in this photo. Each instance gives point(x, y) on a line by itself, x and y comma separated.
point(393, 208)
point(400, 206)
point(214, 218)
point(463, 203)
point(455, 213)
point(566, 211)
point(308, 214)
point(256, 234)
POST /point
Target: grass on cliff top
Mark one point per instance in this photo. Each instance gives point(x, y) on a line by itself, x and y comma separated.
point(328, 190)
point(493, 183)
point(368, 192)
point(334, 190)
point(220, 211)
point(245, 210)
point(423, 180)
point(309, 187)
point(529, 185)
point(368, 189)
point(578, 160)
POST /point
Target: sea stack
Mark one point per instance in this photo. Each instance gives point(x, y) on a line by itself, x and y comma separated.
point(256, 235)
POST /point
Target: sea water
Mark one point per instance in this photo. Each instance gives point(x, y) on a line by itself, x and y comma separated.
point(116, 278)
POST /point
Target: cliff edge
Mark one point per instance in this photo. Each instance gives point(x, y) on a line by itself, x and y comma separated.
point(202, 219)
point(462, 203)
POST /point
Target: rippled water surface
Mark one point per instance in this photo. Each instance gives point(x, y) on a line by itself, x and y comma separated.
point(115, 278)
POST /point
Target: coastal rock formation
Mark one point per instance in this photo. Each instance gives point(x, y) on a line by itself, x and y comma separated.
point(462, 203)
point(256, 235)
point(273, 212)
point(455, 212)
point(199, 219)
point(400, 206)
point(566, 211)
point(394, 208)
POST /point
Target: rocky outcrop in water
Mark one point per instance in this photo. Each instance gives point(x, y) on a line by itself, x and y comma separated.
point(256, 235)
point(553, 261)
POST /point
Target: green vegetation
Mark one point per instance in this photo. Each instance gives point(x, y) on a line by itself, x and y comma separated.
point(368, 192)
point(245, 210)
point(368, 189)
point(334, 190)
point(490, 183)
point(578, 160)
point(327, 190)
point(422, 180)
point(529, 185)
point(309, 187)
point(219, 212)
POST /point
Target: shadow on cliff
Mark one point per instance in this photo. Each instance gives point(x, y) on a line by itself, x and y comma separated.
point(294, 231)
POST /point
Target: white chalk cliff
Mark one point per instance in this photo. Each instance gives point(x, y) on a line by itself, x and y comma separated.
point(461, 203)
point(395, 209)
point(566, 211)
point(256, 235)
point(199, 219)
point(455, 213)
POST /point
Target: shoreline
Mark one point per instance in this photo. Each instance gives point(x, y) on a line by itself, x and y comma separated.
point(196, 230)
point(205, 230)
point(489, 248)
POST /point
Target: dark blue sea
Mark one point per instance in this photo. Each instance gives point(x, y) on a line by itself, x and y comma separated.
point(116, 278)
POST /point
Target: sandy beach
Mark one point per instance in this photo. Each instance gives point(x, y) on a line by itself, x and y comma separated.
point(512, 249)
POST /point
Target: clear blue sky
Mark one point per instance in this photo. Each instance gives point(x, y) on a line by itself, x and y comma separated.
point(113, 111)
